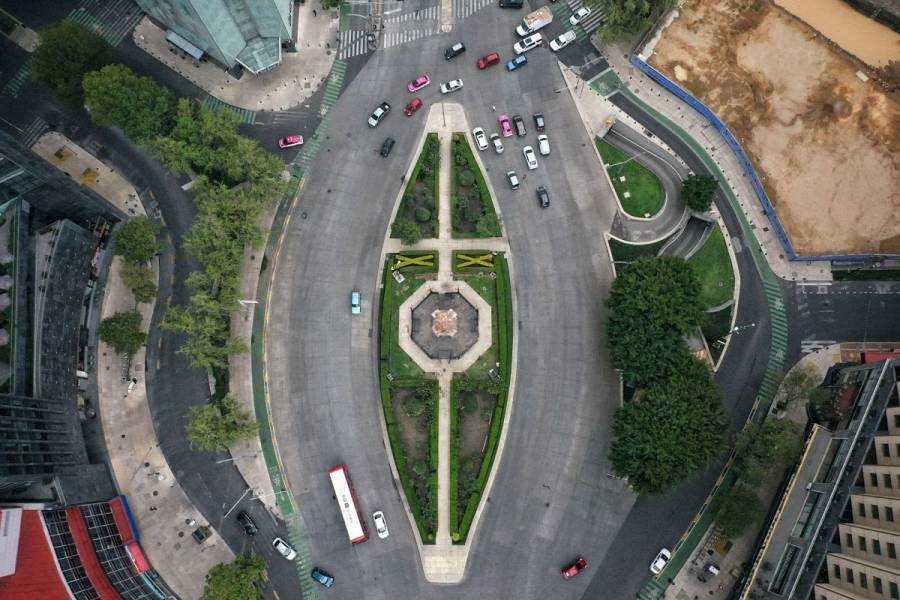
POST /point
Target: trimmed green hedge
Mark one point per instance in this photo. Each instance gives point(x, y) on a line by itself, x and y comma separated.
point(454, 460)
point(432, 145)
point(486, 201)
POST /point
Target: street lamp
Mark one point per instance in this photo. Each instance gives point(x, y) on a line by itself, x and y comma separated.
point(225, 460)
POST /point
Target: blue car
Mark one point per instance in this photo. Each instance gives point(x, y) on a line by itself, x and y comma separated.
point(519, 61)
point(322, 577)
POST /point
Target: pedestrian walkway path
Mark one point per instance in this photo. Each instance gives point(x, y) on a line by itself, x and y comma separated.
point(35, 129)
point(429, 13)
point(564, 10)
point(15, 83)
point(352, 43)
point(397, 38)
point(466, 8)
point(112, 20)
point(311, 145)
point(243, 115)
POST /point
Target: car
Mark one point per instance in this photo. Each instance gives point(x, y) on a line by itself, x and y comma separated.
point(480, 138)
point(530, 158)
point(561, 41)
point(486, 61)
point(498, 145)
point(322, 577)
point(513, 179)
point(411, 108)
point(660, 562)
point(519, 61)
point(543, 197)
point(247, 523)
point(539, 123)
point(579, 15)
point(418, 83)
point(380, 526)
point(355, 306)
point(290, 140)
point(451, 86)
point(284, 549)
point(505, 128)
point(379, 114)
point(387, 146)
point(579, 565)
point(454, 50)
point(520, 125)
point(543, 145)
point(528, 43)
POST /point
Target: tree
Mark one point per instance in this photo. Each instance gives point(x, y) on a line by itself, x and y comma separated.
point(116, 96)
point(766, 449)
point(488, 225)
point(140, 279)
point(136, 241)
point(672, 432)
point(123, 332)
point(630, 17)
point(68, 51)
point(736, 510)
point(238, 580)
point(220, 424)
point(798, 385)
point(697, 191)
point(653, 304)
point(408, 232)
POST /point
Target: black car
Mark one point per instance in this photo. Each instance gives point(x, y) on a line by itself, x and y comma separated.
point(543, 197)
point(387, 146)
point(513, 3)
point(519, 125)
point(247, 523)
point(454, 50)
point(380, 113)
point(539, 121)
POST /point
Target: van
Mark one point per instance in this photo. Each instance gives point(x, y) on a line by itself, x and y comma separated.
point(529, 43)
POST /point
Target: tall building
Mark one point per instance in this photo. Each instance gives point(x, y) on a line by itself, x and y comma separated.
point(249, 33)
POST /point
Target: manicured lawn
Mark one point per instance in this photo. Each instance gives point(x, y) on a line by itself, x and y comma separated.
point(646, 193)
point(420, 198)
point(473, 210)
point(713, 268)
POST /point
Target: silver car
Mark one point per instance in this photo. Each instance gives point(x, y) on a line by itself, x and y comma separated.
point(480, 138)
point(530, 158)
point(498, 144)
point(451, 86)
point(380, 526)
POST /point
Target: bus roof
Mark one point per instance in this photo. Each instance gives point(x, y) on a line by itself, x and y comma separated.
point(349, 511)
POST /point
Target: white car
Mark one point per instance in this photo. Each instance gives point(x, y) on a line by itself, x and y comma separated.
point(543, 145)
point(380, 526)
point(660, 562)
point(562, 41)
point(451, 86)
point(580, 14)
point(530, 158)
point(480, 138)
point(284, 549)
point(529, 43)
point(498, 145)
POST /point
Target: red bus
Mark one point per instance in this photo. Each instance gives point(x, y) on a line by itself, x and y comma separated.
point(346, 497)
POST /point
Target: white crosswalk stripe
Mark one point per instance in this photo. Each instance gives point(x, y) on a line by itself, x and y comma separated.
point(465, 8)
point(396, 38)
point(35, 130)
point(425, 14)
point(353, 43)
point(592, 21)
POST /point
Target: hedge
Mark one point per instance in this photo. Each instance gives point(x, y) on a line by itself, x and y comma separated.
point(414, 176)
point(454, 460)
point(486, 201)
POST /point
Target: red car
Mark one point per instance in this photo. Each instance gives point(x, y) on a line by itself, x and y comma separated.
point(574, 569)
point(505, 126)
point(486, 61)
point(411, 108)
point(418, 83)
point(290, 140)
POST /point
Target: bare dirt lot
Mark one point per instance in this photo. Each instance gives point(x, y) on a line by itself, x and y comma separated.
point(826, 144)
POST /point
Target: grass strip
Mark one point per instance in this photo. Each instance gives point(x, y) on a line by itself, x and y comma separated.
point(712, 265)
point(646, 194)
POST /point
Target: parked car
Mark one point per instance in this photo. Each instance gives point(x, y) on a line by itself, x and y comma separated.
point(498, 145)
point(519, 61)
point(411, 108)
point(528, 43)
point(480, 138)
point(247, 523)
point(538, 121)
point(454, 50)
point(387, 146)
point(290, 140)
point(520, 125)
point(505, 128)
point(380, 526)
point(660, 562)
point(563, 40)
point(284, 549)
point(530, 158)
point(486, 61)
point(451, 86)
point(580, 15)
point(355, 305)
point(543, 197)
point(418, 83)
point(576, 567)
point(379, 114)
point(322, 577)
point(513, 179)
point(543, 145)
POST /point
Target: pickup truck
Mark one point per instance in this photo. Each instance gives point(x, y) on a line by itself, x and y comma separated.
point(535, 20)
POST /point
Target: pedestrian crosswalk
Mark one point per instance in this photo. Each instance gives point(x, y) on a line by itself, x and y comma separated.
point(396, 38)
point(298, 536)
point(465, 8)
point(12, 87)
point(111, 20)
point(654, 590)
point(353, 43)
point(36, 129)
point(243, 115)
point(564, 10)
point(427, 13)
point(310, 148)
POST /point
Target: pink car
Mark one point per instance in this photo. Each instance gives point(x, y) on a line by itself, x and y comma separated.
point(505, 126)
point(418, 83)
point(290, 140)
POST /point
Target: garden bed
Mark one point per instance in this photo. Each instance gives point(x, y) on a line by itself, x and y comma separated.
point(419, 204)
point(472, 209)
point(715, 327)
point(712, 265)
point(641, 194)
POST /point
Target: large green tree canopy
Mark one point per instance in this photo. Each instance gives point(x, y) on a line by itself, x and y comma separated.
point(116, 96)
point(219, 425)
point(239, 580)
point(68, 51)
point(136, 241)
point(629, 17)
point(697, 191)
point(123, 332)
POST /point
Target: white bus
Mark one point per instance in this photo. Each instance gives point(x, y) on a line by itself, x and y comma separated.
point(346, 497)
